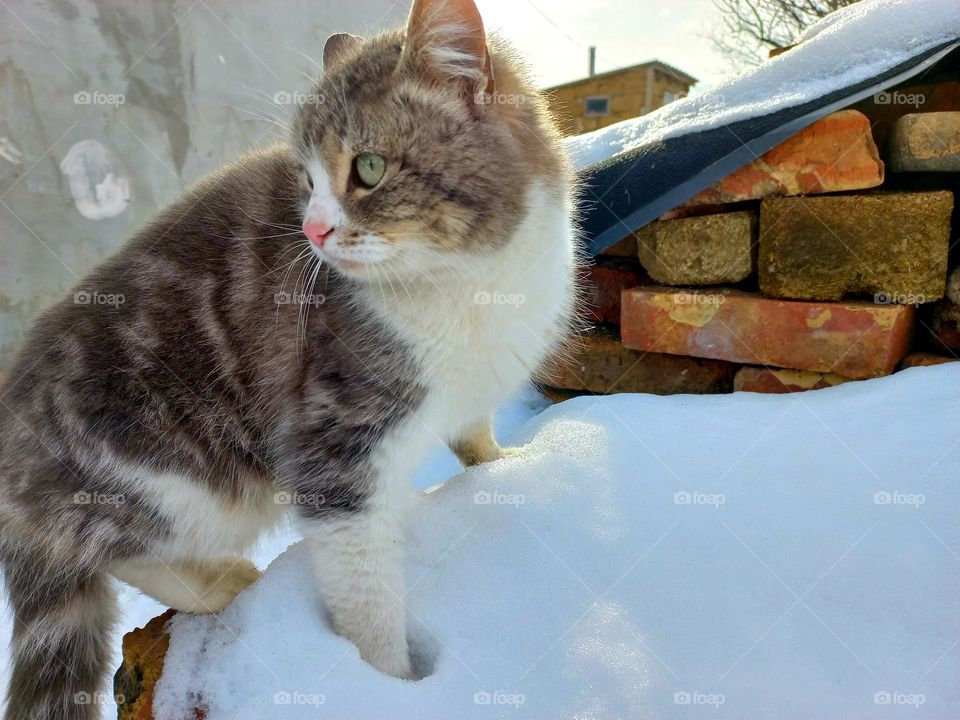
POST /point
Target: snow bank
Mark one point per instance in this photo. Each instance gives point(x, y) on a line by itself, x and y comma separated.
point(734, 556)
point(845, 48)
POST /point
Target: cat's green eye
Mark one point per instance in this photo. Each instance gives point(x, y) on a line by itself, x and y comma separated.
point(370, 169)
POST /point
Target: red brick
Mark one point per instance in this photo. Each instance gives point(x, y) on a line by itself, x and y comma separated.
point(922, 359)
point(856, 340)
point(779, 381)
point(626, 248)
point(144, 650)
point(601, 364)
point(605, 282)
point(834, 154)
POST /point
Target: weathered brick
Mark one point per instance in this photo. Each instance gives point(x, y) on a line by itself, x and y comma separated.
point(707, 250)
point(926, 142)
point(922, 359)
point(778, 381)
point(946, 317)
point(603, 365)
point(833, 154)
point(144, 650)
point(926, 93)
point(625, 248)
point(855, 340)
point(604, 283)
point(893, 245)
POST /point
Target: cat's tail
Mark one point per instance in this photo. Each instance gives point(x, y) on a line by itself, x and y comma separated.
point(62, 623)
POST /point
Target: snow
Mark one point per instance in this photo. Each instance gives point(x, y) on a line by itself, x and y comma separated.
point(136, 609)
point(646, 557)
point(843, 49)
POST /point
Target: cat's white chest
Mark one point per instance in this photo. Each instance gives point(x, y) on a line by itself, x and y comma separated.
point(479, 339)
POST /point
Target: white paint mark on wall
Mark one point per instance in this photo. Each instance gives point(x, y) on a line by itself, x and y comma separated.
point(9, 151)
point(98, 187)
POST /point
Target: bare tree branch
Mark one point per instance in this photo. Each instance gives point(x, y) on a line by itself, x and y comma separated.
point(751, 28)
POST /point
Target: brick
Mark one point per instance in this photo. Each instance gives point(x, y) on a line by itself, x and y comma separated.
point(946, 316)
point(855, 340)
point(708, 250)
point(930, 94)
point(696, 211)
point(144, 650)
point(603, 365)
point(835, 153)
point(893, 245)
point(778, 381)
point(922, 359)
point(926, 142)
point(603, 285)
point(625, 248)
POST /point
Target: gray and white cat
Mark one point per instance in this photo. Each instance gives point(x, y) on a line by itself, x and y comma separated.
point(298, 330)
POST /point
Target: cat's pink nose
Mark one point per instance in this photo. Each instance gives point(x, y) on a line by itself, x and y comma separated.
point(316, 231)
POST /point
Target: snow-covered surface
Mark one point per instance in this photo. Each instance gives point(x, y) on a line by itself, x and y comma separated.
point(845, 48)
point(136, 609)
point(737, 556)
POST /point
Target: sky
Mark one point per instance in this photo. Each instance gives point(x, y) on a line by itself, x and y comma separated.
point(625, 32)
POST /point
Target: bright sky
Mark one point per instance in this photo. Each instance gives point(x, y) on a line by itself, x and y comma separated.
point(625, 32)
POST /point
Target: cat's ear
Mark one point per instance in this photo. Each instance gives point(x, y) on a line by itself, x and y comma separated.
point(447, 40)
point(337, 46)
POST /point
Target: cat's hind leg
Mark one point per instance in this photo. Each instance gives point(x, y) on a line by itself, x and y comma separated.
point(194, 587)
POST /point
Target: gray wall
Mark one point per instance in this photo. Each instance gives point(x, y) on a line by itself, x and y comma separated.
point(108, 108)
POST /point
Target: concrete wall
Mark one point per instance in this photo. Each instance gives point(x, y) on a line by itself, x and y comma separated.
point(108, 108)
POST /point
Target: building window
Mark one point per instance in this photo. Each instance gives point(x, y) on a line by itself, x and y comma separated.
point(597, 106)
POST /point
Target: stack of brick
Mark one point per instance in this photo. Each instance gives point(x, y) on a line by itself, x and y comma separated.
point(823, 261)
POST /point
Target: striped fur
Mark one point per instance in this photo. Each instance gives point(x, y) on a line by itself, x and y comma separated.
point(248, 374)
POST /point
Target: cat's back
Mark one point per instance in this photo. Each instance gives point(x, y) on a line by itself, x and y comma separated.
point(165, 317)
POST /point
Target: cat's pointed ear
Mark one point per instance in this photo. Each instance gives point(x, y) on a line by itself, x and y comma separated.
point(337, 46)
point(447, 39)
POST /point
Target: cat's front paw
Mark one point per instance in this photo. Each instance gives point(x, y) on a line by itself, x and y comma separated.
point(511, 452)
point(391, 661)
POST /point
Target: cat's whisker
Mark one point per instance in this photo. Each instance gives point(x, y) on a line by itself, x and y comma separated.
point(278, 122)
point(278, 226)
point(305, 57)
point(313, 297)
point(309, 78)
point(259, 237)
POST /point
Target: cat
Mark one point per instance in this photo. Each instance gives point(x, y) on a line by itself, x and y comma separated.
point(292, 335)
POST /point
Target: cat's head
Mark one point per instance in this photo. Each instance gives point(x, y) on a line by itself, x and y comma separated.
point(418, 146)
